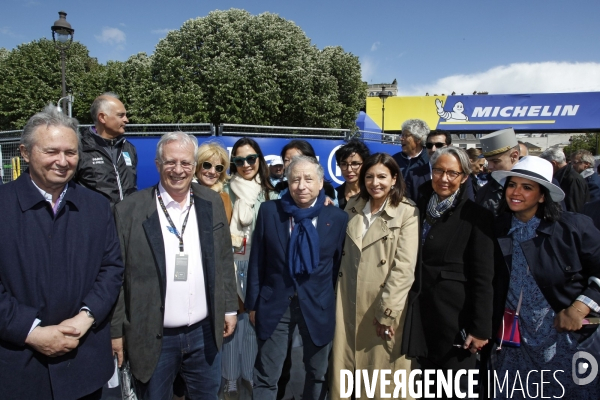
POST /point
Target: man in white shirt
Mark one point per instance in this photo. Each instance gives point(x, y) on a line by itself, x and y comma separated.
point(179, 294)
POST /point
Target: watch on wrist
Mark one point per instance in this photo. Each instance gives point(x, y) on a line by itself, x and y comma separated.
point(89, 314)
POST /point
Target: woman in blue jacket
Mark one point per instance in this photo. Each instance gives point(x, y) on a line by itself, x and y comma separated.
point(548, 270)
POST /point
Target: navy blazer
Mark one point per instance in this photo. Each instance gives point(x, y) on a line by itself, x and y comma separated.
point(271, 287)
point(50, 267)
point(592, 210)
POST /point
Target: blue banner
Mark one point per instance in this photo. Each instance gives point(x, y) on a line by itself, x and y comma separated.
point(325, 150)
point(540, 112)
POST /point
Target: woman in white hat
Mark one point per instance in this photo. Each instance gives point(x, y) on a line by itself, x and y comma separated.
point(548, 274)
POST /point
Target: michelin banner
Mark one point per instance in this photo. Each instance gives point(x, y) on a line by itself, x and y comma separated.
point(531, 112)
point(325, 150)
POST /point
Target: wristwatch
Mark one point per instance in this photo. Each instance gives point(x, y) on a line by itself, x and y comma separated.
point(89, 314)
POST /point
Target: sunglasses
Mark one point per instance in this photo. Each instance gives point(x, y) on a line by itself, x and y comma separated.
point(206, 165)
point(250, 159)
point(438, 145)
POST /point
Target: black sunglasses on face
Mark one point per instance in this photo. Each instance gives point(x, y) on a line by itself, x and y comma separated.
point(206, 165)
point(250, 159)
point(437, 145)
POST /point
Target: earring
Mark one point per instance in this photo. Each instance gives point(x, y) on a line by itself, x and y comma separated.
point(392, 187)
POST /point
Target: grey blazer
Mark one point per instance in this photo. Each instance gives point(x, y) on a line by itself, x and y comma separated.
point(139, 312)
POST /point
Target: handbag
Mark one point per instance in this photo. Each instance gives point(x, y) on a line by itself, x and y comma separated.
point(126, 381)
point(508, 334)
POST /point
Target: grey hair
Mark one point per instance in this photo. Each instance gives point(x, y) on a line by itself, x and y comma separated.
point(183, 138)
point(554, 154)
point(586, 156)
point(456, 152)
point(99, 104)
point(49, 116)
point(417, 127)
point(302, 160)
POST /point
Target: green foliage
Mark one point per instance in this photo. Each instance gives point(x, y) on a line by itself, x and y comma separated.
point(30, 78)
point(227, 67)
point(587, 141)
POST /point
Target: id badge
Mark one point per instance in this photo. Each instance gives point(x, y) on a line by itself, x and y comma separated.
point(127, 159)
point(242, 248)
point(181, 267)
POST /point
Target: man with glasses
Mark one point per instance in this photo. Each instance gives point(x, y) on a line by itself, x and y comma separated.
point(179, 294)
point(414, 132)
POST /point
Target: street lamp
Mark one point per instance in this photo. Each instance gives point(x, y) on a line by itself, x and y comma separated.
point(383, 96)
point(62, 36)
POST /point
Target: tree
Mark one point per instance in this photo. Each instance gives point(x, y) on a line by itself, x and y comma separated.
point(30, 78)
point(587, 141)
point(233, 67)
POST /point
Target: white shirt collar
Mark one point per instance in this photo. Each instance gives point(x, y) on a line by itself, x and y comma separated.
point(169, 201)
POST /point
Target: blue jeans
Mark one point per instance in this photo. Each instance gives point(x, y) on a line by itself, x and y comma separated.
point(272, 353)
point(192, 352)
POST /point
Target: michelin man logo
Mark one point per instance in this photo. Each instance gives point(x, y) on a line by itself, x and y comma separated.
point(457, 113)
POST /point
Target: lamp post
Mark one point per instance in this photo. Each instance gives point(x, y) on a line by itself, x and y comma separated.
point(383, 96)
point(62, 36)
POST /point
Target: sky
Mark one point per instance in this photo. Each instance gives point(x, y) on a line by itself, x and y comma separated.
point(428, 46)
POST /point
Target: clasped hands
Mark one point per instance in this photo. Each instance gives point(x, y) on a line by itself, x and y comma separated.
point(56, 340)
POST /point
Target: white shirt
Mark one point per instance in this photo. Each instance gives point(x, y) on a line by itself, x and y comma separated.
point(185, 301)
point(370, 217)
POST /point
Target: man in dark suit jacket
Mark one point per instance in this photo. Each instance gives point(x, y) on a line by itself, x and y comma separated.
point(293, 267)
point(179, 277)
point(60, 272)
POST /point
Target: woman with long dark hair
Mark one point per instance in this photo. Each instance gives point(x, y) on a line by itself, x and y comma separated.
point(350, 158)
point(248, 187)
point(547, 273)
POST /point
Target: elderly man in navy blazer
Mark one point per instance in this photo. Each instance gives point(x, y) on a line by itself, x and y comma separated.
point(60, 272)
point(291, 275)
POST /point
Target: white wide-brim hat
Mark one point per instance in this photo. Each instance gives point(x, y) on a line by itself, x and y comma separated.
point(535, 169)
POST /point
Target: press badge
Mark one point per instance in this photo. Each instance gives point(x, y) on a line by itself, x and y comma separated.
point(127, 159)
point(181, 267)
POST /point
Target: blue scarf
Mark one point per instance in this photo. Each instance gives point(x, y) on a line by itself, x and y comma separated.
point(303, 248)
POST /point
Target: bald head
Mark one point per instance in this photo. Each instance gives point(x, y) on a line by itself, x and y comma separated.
point(109, 115)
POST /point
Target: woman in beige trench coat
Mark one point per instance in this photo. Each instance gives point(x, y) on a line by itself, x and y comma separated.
point(375, 276)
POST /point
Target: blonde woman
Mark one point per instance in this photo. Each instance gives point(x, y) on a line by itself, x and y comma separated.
point(211, 171)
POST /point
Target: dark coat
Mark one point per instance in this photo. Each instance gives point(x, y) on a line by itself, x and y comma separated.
point(406, 164)
point(110, 171)
point(592, 210)
point(561, 258)
point(575, 188)
point(453, 286)
point(139, 314)
point(50, 267)
point(593, 182)
point(270, 285)
point(489, 195)
point(422, 174)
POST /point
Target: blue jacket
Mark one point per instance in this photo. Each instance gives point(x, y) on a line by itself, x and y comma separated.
point(593, 182)
point(271, 287)
point(406, 164)
point(50, 267)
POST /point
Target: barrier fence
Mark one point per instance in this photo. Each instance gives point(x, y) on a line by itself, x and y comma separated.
point(13, 164)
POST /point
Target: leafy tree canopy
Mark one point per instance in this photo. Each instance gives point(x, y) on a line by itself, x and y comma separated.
point(587, 141)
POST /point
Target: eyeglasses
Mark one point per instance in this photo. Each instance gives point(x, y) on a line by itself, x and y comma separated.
point(250, 159)
point(437, 145)
point(206, 165)
point(452, 175)
point(185, 165)
point(353, 165)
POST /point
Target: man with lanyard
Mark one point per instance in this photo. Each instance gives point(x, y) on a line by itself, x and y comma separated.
point(179, 294)
point(108, 161)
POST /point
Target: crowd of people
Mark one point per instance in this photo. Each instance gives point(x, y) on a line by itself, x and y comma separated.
point(434, 258)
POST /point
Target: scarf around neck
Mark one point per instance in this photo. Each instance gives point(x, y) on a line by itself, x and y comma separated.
point(247, 192)
point(303, 247)
point(437, 208)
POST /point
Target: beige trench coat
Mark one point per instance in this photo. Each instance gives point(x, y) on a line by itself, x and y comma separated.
point(375, 276)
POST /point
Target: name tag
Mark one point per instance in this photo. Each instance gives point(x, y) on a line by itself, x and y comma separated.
point(181, 267)
point(127, 159)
